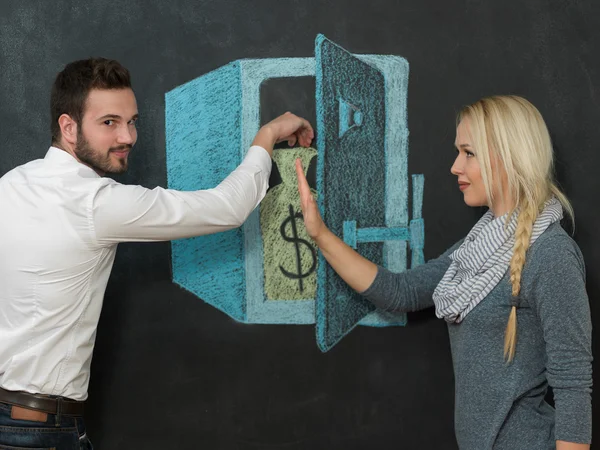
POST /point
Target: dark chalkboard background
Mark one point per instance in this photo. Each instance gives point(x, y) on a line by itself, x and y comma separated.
point(172, 372)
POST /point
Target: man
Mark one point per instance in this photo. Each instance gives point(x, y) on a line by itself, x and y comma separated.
point(61, 223)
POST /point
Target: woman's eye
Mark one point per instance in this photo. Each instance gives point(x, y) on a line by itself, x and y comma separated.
point(469, 154)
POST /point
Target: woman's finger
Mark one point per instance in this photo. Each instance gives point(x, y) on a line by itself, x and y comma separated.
point(303, 187)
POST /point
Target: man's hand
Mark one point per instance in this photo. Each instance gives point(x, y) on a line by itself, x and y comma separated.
point(287, 127)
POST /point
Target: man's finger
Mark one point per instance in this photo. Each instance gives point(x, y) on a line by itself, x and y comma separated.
point(306, 124)
point(305, 137)
point(301, 141)
point(284, 138)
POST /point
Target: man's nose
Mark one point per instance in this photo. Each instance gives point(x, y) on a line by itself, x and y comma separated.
point(127, 135)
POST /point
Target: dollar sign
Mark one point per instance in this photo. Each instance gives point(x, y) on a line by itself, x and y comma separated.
point(297, 241)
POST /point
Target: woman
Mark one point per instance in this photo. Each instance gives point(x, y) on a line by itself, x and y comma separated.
point(517, 265)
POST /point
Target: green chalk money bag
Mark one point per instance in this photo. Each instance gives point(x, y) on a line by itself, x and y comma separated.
point(290, 256)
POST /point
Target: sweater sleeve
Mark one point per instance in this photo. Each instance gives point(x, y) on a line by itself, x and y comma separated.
point(411, 290)
point(562, 304)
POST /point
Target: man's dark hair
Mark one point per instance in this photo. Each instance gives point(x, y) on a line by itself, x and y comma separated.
point(72, 86)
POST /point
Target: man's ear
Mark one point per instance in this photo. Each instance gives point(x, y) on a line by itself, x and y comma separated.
point(68, 128)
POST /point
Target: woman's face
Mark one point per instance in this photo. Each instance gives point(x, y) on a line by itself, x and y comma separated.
point(470, 182)
point(466, 168)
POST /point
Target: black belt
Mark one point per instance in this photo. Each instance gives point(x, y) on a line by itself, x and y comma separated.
point(38, 402)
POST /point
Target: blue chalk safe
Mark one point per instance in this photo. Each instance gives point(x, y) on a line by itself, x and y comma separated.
point(362, 180)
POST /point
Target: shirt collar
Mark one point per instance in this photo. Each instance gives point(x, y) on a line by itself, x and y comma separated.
point(60, 156)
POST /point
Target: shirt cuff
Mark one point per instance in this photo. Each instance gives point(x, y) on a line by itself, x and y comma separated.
point(258, 156)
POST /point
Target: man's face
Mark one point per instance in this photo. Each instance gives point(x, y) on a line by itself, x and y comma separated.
point(107, 131)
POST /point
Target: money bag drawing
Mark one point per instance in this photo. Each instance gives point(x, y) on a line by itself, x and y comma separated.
point(289, 256)
point(269, 271)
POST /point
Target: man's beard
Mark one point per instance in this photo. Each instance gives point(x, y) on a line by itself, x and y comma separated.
point(96, 159)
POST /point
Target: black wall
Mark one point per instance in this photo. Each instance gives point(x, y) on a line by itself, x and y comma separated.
point(171, 372)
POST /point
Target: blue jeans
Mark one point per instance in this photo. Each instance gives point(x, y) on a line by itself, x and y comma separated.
point(57, 433)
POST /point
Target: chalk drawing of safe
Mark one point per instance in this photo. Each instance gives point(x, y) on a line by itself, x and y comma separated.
point(362, 187)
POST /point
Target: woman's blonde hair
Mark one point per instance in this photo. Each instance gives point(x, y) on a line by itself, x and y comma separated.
point(510, 131)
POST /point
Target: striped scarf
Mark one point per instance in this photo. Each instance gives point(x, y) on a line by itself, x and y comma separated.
point(481, 261)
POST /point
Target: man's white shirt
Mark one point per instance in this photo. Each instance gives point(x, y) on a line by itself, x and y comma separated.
point(60, 224)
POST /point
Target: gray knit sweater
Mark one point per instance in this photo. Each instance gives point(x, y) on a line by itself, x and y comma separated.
point(499, 405)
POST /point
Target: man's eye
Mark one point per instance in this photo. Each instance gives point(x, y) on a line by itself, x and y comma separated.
point(108, 122)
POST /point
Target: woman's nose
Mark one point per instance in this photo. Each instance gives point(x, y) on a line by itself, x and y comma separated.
point(457, 167)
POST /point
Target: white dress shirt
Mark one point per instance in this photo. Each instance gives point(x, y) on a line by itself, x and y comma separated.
point(60, 224)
